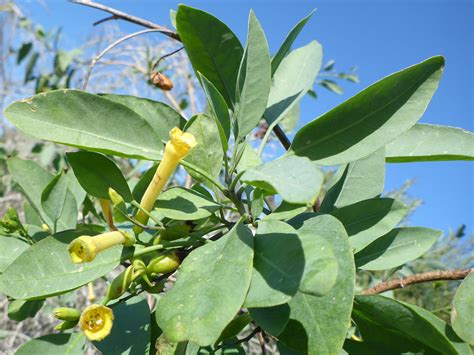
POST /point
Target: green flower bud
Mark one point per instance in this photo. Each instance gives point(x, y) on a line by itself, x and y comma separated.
point(120, 284)
point(115, 197)
point(163, 264)
point(68, 324)
point(66, 313)
point(11, 223)
point(173, 232)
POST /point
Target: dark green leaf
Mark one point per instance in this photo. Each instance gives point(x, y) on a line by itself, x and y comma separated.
point(19, 310)
point(424, 142)
point(361, 180)
point(462, 313)
point(88, 121)
point(141, 186)
point(46, 268)
point(367, 220)
point(161, 117)
point(318, 325)
point(212, 47)
point(185, 205)
point(211, 286)
point(411, 321)
point(396, 248)
point(296, 179)
point(30, 67)
point(208, 154)
point(372, 118)
point(131, 330)
point(254, 79)
point(271, 319)
point(23, 51)
point(63, 343)
point(287, 43)
point(235, 327)
point(96, 173)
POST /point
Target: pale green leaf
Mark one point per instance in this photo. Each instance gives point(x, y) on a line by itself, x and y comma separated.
point(63, 343)
point(14, 246)
point(462, 313)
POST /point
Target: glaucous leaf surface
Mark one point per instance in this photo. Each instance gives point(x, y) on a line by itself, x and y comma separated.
point(14, 247)
point(288, 42)
point(19, 310)
point(79, 119)
point(249, 158)
point(131, 330)
point(286, 211)
point(62, 343)
point(208, 154)
point(396, 248)
point(410, 321)
point(371, 119)
point(254, 79)
point(161, 117)
point(462, 313)
point(185, 205)
point(97, 173)
point(318, 325)
point(425, 142)
point(211, 286)
point(46, 268)
point(53, 197)
point(360, 180)
point(296, 179)
point(292, 79)
point(367, 220)
point(213, 49)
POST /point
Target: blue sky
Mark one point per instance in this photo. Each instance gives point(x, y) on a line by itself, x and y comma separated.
point(378, 36)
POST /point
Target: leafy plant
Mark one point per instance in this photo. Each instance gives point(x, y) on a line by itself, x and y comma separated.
point(217, 257)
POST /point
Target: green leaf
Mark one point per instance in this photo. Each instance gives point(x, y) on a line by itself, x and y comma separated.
point(68, 218)
point(249, 159)
point(142, 184)
point(318, 325)
point(46, 269)
point(296, 179)
point(331, 86)
point(30, 67)
point(23, 52)
point(371, 119)
point(88, 121)
point(286, 211)
point(219, 109)
point(367, 220)
point(292, 80)
point(272, 319)
point(254, 79)
point(235, 327)
point(161, 117)
point(361, 180)
point(75, 188)
point(424, 142)
point(291, 118)
point(53, 197)
point(413, 322)
point(210, 288)
point(19, 310)
point(32, 179)
point(63, 343)
point(185, 205)
point(208, 154)
point(462, 313)
point(396, 248)
point(287, 43)
point(213, 49)
point(131, 330)
point(96, 173)
point(14, 246)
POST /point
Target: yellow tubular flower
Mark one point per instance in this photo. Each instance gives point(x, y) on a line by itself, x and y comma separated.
point(96, 322)
point(179, 145)
point(85, 248)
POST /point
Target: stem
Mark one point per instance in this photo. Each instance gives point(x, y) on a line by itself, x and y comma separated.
point(153, 218)
point(440, 275)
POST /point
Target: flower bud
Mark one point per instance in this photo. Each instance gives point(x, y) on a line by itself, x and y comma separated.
point(66, 325)
point(96, 322)
point(173, 232)
point(161, 80)
point(120, 284)
point(11, 223)
point(163, 264)
point(115, 197)
point(66, 313)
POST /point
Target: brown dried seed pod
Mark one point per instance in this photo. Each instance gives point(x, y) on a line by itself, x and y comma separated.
point(161, 80)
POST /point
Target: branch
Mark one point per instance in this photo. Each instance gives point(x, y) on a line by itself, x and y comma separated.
point(418, 278)
point(116, 14)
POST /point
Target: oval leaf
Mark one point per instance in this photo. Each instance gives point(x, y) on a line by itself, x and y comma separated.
point(14, 246)
point(63, 343)
point(462, 314)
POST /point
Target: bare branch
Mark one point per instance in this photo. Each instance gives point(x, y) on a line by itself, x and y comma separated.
point(101, 54)
point(129, 18)
point(440, 275)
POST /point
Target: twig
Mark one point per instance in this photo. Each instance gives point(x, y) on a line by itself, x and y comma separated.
point(126, 17)
point(108, 18)
point(101, 54)
point(166, 56)
point(261, 340)
point(418, 278)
